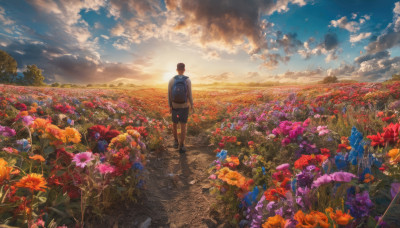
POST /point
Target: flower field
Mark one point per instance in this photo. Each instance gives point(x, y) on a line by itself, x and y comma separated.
point(306, 156)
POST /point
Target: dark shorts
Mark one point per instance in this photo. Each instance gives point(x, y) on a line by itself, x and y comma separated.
point(180, 115)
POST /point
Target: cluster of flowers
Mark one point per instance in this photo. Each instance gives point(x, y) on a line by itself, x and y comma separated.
point(331, 180)
point(66, 151)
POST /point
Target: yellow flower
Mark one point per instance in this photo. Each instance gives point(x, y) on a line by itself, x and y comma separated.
point(222, 172)
point(274, 222)
point(72, 135)
point(394, 155)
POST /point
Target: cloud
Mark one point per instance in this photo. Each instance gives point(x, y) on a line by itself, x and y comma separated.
point(367, 57)
point(390, 36)
point(359, 37)
point(4, 19)
point(343, 70)
point(328, 46)
point(330, 41)
point(351, 26)
point(271, 60)
point(288, 42)
point(60, 65)
point(301, 76)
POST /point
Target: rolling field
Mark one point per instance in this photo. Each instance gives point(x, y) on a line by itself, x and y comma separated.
point(288, 156)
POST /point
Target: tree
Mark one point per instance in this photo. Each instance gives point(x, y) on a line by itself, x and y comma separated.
point(8, 68)
point(33, 75)
point(330, 79)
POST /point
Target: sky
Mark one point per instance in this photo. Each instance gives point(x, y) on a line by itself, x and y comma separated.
point(92, 41)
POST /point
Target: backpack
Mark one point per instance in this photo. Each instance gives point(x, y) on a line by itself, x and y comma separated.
point(179, 90)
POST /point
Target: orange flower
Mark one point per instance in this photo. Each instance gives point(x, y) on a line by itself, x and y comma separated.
point(368, 178)
point(24, 113)
point(394, 155)
point(37, 157)
point(274, 222)
point(72, 135)
point(313, 219)
point(55, 131)
point(339, 217)
point(40, 125)
point(4, 170)
point(235, 178)
point(233, 159)
point(33, 182)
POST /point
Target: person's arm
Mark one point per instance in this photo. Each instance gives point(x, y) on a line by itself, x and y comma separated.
point(169, 95)
point(189, 84)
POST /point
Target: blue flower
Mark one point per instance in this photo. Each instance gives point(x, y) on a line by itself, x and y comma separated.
point(251, 197)
point(263, 170)
point(138, 166)
point(340, 161)
point(357, 146)
point(222, 155)
point(102, 145)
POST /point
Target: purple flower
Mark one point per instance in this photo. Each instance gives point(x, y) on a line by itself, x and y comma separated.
point(283, 167)
point(305, 179)
point(342, 176)
point(324, 179)
point(82, 159)
point(359, 204)
point(395, 189)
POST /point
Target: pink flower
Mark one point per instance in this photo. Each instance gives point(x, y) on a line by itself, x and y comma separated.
point(322, 130)
point(27, 120)
point(105, 168)
point(342, 176)
point(213, 177)
point(82, 159)
point(40, 222)
point(283, 167)
point(395, 189)
point(7, 131)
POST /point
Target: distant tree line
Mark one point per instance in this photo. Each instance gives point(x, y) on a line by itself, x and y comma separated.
point(8, 72)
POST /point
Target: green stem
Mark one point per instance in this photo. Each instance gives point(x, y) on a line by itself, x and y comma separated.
point(389, 207)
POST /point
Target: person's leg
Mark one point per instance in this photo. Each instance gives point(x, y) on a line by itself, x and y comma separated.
point(175, 128)
point(175, 131)
point(183, 133)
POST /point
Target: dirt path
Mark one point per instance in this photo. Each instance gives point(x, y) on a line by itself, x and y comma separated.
point(177, 193)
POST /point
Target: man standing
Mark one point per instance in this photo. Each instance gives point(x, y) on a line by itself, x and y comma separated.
point(179, 100)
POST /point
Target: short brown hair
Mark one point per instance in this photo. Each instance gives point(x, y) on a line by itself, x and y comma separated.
point(180, 66)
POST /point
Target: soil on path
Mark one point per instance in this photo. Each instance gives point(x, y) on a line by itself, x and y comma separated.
point(177, 193)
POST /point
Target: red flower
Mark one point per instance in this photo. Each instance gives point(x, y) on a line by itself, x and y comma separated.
point(275, 194)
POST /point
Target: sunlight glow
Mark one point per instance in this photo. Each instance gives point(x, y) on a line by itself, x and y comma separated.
point(168, 75)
